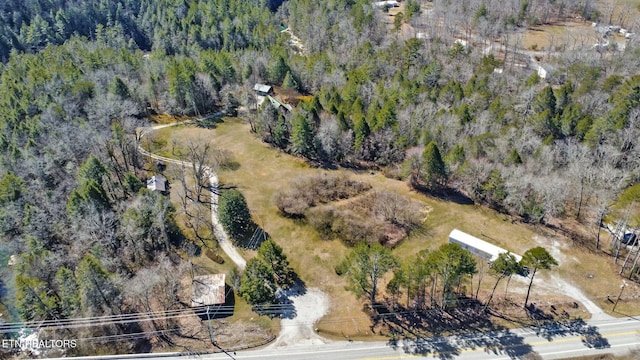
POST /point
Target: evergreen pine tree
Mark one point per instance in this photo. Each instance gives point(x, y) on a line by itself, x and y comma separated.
point(434, 171)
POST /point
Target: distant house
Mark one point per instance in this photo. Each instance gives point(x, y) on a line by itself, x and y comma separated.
point(263, 90)
point(550, 74)
point(386, 4)
point(545, 71)
point(157, 183)
point(480, 248)
point(208, 290)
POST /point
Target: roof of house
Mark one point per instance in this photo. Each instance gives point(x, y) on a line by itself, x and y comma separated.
point(208, 290)
point(157, 182)
point(388, 4)
point(546, 69)
point(482, 248)
point(262, 88)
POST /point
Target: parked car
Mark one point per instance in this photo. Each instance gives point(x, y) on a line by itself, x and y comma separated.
point(630, 239)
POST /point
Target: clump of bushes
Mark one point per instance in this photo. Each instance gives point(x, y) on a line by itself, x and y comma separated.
point(345, 224)
point(308, 191)
point(374, 216)
point(378, 216)
point(214, 256)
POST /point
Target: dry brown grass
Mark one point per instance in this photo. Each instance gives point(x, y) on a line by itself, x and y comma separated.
point(567, 35)
point(264, 171)
point(166, 118)
point(574, 33)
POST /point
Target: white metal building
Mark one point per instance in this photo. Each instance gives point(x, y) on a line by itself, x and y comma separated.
point(480, 248)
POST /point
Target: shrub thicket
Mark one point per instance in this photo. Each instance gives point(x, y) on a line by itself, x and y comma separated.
point(313, 190)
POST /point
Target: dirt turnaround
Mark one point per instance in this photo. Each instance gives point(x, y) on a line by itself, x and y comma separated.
point(299, 329)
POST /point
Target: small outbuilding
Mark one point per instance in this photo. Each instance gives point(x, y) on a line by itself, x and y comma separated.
point(545, 71)
point(208, 290)
point(480, 248)
point(157, 183)
point(263, 90)
point(386, 4)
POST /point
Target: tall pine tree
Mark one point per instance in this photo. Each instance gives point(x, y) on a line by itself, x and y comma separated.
point(433, 171)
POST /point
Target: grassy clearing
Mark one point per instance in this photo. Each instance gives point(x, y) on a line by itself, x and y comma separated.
point(558, 37)
point(575, 34)
point(263, 171)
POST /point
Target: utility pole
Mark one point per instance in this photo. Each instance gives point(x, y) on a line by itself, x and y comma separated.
point(211, 330)
point(624, 283)
point(210, 327)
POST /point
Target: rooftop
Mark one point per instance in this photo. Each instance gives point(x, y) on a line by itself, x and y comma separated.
point(262, 88)
point(157, 182)
point(487, 248)
point(208, 290)
point(277, 103)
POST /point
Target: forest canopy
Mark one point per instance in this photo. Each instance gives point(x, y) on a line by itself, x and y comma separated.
point(79, 77)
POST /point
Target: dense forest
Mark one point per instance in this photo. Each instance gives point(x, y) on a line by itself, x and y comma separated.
point(78, 77)
point(512, 140)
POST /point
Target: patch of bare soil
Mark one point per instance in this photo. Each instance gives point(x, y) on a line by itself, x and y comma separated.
point(240, 335)
point(300, 328)
point(554, 284)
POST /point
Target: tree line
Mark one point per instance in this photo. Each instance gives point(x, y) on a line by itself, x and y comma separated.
point(432, 279)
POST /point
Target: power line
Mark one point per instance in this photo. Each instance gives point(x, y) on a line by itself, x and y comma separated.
point(223, 310)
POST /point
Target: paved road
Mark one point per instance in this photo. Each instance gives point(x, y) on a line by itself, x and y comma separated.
point(221, 235)
point(618, 336)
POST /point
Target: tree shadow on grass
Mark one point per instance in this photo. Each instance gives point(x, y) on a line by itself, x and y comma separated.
point(501, 342)
point(446, 194)
point(253, 237)
point(283, 306)
point(209, 122)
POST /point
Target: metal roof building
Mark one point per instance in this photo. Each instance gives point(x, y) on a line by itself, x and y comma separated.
point(480, 248)
point(263, 89)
